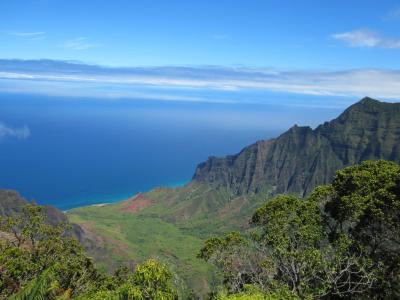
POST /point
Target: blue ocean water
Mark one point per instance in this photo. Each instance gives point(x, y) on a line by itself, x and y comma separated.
point(87, 151)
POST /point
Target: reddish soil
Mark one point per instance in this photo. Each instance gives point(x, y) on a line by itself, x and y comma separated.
point(136, 203)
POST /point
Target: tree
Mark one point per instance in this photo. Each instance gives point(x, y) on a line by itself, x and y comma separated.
point(238, 262)
point(291, 232)
point(364, 205)
point(42, 287)
point(150, 281)
point(30, 247)
point(342, 241)
point(38, 261)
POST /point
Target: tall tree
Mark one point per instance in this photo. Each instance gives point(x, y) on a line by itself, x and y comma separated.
point(343, 241)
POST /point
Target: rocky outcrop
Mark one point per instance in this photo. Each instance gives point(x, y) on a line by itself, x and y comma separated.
point(303, 158)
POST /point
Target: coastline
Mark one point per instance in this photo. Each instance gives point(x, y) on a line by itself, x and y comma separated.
point(103, 200)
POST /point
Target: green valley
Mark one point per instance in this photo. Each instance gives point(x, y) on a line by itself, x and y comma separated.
point(171, 224)
point(283, 184)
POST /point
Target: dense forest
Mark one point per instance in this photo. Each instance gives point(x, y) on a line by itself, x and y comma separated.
point(340, 242)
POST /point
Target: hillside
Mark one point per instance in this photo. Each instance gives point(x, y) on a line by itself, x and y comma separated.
point(171, 224)
point(303, 158)
point(11, 203)
point(168, 224)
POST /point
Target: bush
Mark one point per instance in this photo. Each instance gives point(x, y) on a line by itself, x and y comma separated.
point(342, 241)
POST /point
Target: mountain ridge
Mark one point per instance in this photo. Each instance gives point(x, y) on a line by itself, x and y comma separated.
point(235, 186)
point(172, 223)
point(302, 157)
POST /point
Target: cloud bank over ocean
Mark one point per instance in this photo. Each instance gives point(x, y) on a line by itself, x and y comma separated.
point(188, 83)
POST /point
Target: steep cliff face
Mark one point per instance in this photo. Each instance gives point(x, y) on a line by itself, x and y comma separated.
point(303, 158)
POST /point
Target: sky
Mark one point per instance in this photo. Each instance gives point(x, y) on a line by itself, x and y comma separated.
point(255, 33)
point(209, 51)
point(156, 86)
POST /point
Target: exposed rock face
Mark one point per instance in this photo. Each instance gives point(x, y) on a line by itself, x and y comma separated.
point(303, 158)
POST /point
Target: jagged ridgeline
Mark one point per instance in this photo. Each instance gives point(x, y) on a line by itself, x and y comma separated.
point(303, 158)
point(172, 224)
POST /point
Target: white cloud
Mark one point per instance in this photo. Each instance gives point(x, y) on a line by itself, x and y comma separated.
point(19, 133)
point(33, 35)
point(26, 34)
point(367, 39)
point(79, 79)
point(80, 43)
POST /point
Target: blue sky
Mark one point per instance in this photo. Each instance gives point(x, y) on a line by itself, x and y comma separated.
point(263, 33)
point(212, 51)
point(192, 78)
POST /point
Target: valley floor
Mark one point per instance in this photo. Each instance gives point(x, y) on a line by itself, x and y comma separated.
point(169, 224)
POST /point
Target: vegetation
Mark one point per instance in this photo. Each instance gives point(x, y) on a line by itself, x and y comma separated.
point(340, 242)
point(37, 261)
point(133, 237)
point(343, 241)
point(172, 224)
point(172, 227)
point(302, 158)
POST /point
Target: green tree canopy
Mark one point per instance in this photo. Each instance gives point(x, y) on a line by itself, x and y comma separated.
point(39, 261)
point(364, 205)
point(341, 241)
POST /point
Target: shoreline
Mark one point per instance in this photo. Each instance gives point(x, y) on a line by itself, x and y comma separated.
point(115, 198)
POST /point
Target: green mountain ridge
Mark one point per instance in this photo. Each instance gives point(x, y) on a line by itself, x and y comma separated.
point(302, 158)
point(171, 224)
point(225, 192)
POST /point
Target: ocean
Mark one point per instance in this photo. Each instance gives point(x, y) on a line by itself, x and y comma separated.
point(87, 151)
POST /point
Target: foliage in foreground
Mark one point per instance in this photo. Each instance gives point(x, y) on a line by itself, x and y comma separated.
point(38, 261)
point(343, 241)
